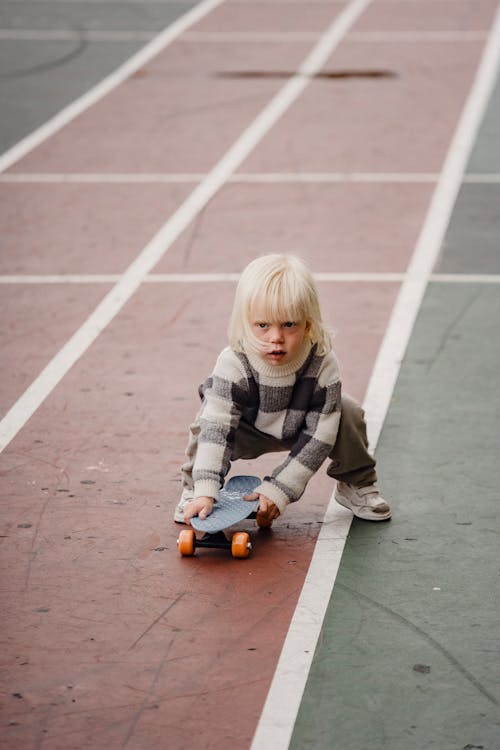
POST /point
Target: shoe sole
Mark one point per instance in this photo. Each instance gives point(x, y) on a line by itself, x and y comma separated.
point(179, 516)
point(368, 515)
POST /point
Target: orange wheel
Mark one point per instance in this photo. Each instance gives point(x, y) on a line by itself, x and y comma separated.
point(185, 542)
point(240, 544)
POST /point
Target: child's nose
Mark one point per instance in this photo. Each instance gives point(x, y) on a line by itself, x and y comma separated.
point(276, 334)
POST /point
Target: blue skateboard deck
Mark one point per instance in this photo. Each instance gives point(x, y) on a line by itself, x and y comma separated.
point(230, 508)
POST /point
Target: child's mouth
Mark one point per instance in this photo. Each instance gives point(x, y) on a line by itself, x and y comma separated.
point(277, 354)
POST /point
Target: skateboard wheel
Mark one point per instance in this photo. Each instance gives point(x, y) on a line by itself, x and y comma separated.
point(185, 542)
point(240, 544)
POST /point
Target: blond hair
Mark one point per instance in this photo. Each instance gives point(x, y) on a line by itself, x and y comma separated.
point(284, 287)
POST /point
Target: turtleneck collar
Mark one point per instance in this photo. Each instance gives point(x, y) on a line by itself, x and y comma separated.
point(279, 371)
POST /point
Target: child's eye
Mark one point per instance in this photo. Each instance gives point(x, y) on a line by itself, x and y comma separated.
point(289, 324)
point(261, 325)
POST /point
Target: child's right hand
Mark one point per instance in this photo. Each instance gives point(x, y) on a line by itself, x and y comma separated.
point(267, 511)
point(200, 506)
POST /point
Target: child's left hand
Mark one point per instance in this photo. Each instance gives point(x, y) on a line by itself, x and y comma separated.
point(267, 511)
point(199, 506)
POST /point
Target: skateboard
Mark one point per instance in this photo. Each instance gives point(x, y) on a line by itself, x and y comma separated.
point(229, 509)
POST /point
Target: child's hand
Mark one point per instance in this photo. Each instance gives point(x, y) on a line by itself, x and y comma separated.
point(267, 511)
point(200, 506)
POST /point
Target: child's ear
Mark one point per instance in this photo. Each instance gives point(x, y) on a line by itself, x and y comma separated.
point(308, 326)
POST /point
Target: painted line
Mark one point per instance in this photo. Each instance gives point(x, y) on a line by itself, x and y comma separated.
point(70, 278)
point(241, 177)
point(466, 278)
point(214, 278)
point(93, 179)
point(324, 177)
point(286, 2)
point(330, 2)
point(482, 179)
point(130, 2)
point(119, 295)
point(183, 278)
point(125, 178)
point(319, 276)
point(418, 36)
point(251, 37)
point(59, 35)
point(64, 35)
point(280, 711)
point(66, 115)
point(239, 2)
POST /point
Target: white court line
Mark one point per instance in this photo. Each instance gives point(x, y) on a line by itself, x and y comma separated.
point(64, 35)
point(417, 36)
point(157, 45)
point(283, 701)
point(324, 177)
point(240, 177)
point(93, 179)
point(231, 37)
point(91, 35)
point(129, 2)
point(183, 278)
point(60, 278)
point(251, 37)
point(117, 297)
point(278, 178)
point(214, 278)
point(330, 2)
point(483, 179)
point(466, 278)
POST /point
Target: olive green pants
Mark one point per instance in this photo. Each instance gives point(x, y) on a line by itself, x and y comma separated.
point(349, 460)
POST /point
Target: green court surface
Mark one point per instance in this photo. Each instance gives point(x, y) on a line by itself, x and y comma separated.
point(408, 656)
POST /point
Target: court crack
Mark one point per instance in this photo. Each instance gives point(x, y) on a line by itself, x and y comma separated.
point(432, 641)
point(156, 620)
point(451, 327)
point(81, 46)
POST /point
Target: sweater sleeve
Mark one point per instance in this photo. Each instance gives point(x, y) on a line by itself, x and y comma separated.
point(224, 395)
point(314, 442)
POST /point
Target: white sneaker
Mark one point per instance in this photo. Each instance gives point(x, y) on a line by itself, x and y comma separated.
point(365, 502)
point(186, 496)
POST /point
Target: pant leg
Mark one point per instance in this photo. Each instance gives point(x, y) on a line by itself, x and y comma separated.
point(250, 443)
point(350, 459)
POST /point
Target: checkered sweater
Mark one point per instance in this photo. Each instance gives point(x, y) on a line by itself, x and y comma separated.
point(298, 403)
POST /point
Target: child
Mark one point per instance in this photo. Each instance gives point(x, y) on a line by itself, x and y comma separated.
point(276, 387)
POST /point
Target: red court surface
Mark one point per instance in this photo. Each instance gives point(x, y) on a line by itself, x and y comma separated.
point(111, 640)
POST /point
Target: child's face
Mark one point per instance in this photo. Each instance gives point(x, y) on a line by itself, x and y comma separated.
point(281, 341)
